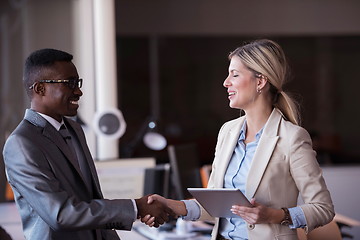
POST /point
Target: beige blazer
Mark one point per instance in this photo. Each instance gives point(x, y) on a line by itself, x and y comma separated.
point(284, 165)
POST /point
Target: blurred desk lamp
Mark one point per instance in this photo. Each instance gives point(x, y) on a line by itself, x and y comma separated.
point(149, 132)
point(150, 136)
point(154, 140)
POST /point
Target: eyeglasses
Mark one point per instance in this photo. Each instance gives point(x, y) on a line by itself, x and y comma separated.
point(72, 83)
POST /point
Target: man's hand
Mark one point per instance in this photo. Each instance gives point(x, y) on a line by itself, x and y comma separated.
point(178, 208)
point(158, 211)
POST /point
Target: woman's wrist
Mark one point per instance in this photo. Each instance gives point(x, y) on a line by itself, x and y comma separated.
point(178, 207)
point(277, 216)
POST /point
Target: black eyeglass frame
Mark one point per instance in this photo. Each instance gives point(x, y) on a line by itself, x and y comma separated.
point(72, 83)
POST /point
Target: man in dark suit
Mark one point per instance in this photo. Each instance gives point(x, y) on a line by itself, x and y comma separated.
point(52, 173)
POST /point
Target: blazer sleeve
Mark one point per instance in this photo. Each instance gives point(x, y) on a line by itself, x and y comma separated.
point(318, 208)
point(39, 192)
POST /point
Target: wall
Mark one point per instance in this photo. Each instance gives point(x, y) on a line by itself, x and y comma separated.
point(238, 17)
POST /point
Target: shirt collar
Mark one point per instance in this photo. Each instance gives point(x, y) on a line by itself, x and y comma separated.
point(52, 121)
point(243, 133)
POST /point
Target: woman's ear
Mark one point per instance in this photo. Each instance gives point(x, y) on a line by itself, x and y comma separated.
point(261, 81)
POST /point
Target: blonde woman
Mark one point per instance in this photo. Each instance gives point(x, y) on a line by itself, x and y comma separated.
point(264, 153)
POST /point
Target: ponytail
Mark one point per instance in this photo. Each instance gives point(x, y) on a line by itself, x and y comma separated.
point(288, 107)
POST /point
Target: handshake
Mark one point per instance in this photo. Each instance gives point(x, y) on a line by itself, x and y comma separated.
point(155, 210)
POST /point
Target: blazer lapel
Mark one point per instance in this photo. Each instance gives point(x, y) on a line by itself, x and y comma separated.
point(230, 141)
point(263, 153)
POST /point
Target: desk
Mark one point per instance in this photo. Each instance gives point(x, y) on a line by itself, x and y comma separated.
point(10, 220)
point(142, 232)
point(127, 235)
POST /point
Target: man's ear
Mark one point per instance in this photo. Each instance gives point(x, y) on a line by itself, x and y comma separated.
point(39, 88)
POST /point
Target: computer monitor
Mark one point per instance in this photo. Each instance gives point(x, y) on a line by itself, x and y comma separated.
point(157, 180)
point(185, 169)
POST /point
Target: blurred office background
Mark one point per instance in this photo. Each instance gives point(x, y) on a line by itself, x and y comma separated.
point(190, 41)
point(171, 60)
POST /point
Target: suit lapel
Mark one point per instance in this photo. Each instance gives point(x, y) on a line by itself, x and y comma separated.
point(263, 153)
point(54, 136)
point(87, 154)
point(57, 139)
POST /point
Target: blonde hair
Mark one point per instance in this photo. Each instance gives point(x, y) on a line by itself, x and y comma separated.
point(266, 58)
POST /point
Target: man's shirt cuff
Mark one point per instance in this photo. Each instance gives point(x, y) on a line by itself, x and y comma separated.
point(135, 209)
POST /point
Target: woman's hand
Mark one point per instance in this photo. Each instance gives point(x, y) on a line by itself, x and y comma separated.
point(148, 220)
point(258, 213)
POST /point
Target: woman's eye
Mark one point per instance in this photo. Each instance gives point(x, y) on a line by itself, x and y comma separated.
point(235, 75)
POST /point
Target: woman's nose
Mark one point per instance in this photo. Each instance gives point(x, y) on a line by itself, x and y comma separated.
point(226, 82)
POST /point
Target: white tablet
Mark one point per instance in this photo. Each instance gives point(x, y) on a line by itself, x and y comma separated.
point(218, 201)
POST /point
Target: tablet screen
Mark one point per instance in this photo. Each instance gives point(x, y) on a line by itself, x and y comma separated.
point(218, 201)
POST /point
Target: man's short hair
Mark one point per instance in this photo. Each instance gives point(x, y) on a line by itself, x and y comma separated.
point(39, 59)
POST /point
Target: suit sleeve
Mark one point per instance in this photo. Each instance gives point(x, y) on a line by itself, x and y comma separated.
point(318, 208)
point(39, 192)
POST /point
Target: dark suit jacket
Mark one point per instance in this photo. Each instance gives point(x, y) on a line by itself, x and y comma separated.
point(53, 200)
